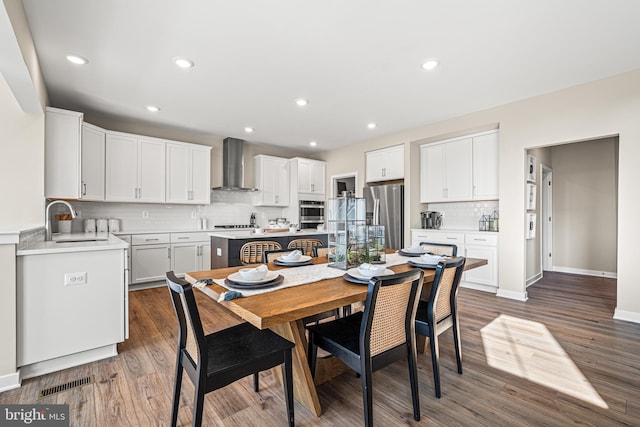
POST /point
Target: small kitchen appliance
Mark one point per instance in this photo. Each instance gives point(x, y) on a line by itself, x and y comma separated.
point(431, 219)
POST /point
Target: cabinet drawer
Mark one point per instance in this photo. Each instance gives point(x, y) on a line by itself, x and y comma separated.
point(482, 239)
point(189, 237)
point(150, 239)
point(440, 237)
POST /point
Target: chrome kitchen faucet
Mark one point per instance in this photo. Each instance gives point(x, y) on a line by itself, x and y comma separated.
point(47, 216)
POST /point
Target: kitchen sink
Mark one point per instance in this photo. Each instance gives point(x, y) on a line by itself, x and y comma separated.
point(81, 239)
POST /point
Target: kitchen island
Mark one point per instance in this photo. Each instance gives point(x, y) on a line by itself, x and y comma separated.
point(225, 245)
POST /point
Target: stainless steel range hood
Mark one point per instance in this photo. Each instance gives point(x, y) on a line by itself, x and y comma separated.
point(233, 166)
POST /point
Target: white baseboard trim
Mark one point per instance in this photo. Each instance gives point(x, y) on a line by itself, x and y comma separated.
point(479, 287)
point(520, 296)
point(9, 382)
point(534, 279)
point(584, 272)
point(64, 362)
point(627, 316)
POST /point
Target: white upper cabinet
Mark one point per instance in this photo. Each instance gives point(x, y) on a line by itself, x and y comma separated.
point(385, 164)
point(271, 175)
point(74, 157)
point(93, 162)
point(188, 173)
point(461, 169)
point(445, 171)
point(135, 168)
point(485, 167)
point(310, 175)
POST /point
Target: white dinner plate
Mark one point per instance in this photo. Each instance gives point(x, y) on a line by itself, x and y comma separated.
point(416, 250)
point(303, 258)
point(353, 272)
point(236, 277)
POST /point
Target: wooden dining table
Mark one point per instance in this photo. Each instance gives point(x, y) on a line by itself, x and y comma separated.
point(282, 311)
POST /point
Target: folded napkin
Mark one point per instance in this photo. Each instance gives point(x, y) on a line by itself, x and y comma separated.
point(229, 295)
point(261, 267)
point(295, 253)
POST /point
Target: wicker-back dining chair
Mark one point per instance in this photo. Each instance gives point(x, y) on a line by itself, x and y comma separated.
point(441, 313)
point(382, 334)
point(305, 245)
point(440, 248)
point(220, 358)
point(252, 252)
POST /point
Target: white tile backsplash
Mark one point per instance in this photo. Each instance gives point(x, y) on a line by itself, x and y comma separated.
point(463, 215)
point(226, 208)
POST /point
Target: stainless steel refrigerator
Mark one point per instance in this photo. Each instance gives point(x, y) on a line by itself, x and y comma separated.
point(385, 206)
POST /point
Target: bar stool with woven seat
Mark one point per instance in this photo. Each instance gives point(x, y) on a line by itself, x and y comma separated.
point(305, 245)
point(382, 334)
point(252, 252)
point(440, 313)
point(221, 358)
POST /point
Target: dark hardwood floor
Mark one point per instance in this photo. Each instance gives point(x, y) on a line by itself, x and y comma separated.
point(555, 360)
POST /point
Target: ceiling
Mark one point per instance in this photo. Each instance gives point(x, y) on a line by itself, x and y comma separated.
point(356, 61)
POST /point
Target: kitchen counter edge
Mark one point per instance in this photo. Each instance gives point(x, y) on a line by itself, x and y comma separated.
point(42, 247)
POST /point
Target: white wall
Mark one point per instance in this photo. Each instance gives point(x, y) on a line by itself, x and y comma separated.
point(22, 171)
point(585, 206)
point(598, 109)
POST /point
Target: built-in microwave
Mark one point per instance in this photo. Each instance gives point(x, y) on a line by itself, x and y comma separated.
point(311, 213)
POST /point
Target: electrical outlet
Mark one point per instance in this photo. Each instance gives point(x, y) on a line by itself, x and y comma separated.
point(145, 214)
point(75, 278)
point(194, 215)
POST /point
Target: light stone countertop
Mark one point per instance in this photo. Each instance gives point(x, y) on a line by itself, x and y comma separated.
point(244, 234)
point(41, 247)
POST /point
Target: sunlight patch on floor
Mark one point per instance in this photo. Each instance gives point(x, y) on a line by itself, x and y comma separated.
point(528, 350)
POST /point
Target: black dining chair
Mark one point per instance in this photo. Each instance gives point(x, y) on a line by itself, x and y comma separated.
point(440, 313)
point(382, 334)
point(440, 248)
point(270, 256)
point(218, 359)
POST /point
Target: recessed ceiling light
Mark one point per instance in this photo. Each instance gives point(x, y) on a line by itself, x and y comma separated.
point(248, 129)
point(313, 143)
point(183, 62)
point(301, 102)
point(430, 64)
point(153, 108)
point(77, 59)
point(371, 125)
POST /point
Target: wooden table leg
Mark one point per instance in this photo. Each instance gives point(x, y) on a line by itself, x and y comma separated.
point(304, 390)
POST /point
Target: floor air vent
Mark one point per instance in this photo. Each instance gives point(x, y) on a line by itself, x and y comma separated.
point(46, 392)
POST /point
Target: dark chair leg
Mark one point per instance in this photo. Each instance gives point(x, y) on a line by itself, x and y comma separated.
point(412, 357)
point(288, 386)
point(256, 382)
point(367, 396)
point(176, 393)
point(312, 354)
point(435, 358)
point(457, 342)
point(198, 405)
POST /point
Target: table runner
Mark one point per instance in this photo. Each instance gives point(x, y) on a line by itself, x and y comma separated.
point(296, 276)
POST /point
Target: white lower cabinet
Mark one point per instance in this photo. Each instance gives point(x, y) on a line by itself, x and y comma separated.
point(470, 245)
point(152, 255)
point(190, 252)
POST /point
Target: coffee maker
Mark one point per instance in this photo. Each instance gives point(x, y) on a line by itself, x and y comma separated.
point(431, 219)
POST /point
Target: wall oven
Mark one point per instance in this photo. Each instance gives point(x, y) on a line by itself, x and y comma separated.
point(311, 213)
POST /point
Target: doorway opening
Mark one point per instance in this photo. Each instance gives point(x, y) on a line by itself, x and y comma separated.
point(546, 205)
point(345, 182)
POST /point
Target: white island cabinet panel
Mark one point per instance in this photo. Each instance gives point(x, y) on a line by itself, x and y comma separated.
point(69, 303)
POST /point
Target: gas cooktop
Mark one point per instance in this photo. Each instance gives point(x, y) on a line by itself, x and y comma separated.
point(232, 226)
